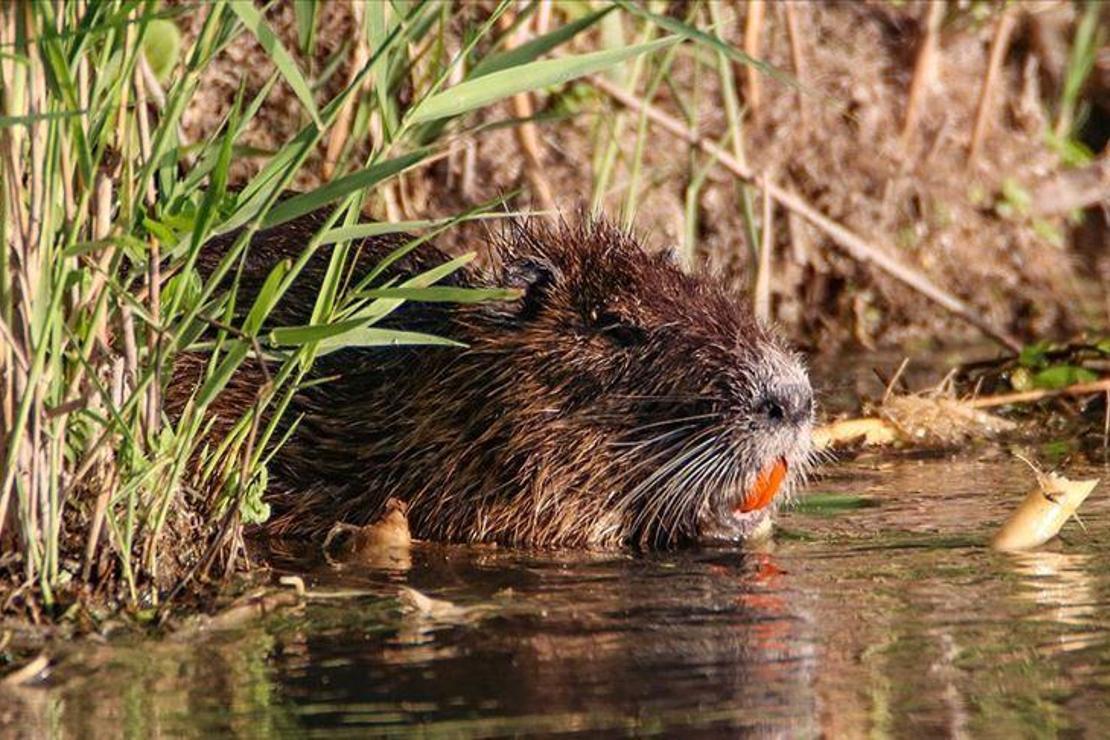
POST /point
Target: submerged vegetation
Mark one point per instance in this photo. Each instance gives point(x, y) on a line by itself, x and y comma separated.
point(118, 162)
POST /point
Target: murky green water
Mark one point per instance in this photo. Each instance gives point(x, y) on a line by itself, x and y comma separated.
point(877, 612)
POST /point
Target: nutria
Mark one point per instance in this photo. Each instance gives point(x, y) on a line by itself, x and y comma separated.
point(618, 401)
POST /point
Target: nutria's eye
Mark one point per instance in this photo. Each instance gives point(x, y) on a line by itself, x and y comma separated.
point(770, 408)
point(620, 331)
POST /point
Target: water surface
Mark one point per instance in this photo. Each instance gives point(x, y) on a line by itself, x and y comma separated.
point(878, 612)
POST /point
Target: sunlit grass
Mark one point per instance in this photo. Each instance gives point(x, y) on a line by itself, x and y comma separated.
point(105, 209)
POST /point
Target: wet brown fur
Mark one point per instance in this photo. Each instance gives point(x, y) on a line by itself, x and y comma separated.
point(618, 401)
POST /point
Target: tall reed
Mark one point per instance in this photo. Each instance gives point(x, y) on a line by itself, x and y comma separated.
point(105, 207)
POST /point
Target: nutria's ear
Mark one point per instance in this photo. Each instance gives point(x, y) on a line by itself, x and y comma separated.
point(534, 277)
point(669, 256)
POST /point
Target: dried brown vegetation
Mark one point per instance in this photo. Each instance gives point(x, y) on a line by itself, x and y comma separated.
point(877, 134)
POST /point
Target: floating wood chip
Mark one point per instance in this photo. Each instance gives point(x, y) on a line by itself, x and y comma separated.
point(921, 419)
point(417, 603)
point(867, 431)
point(1043, 512)
point(385, 543)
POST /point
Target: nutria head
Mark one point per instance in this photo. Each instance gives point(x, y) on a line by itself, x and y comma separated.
point(616, 401)
point(626, 399)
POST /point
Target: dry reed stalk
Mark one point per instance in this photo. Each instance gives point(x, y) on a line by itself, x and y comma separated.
point(67, 175)
point(99, 454)
point(455, 147)
point(126, 187)
point(154, 340)
point(851, 244)
point(797, 57)
point(526, 137)
point(37, 104)
point(8, 349)
point(763, 273)
point(753, 29)
point(1004, 399)
point(999, 44)
point(468, 182)
point(341, 131)
point(30, 468)
point(924, 69)
point(13, 135)
point(143, 117)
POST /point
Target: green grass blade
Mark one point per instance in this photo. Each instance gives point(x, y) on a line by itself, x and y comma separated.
point(27, 120)
point(299, 205)
point(282, 59)
point(495, 86)
point(296, 336)
point(529, 51)
point(685, 30)
point(267, 298)
point(364, 231)
point(444, 294)
point(350, 333)
point(305, 12)
point(369, 336)
point(236, 353)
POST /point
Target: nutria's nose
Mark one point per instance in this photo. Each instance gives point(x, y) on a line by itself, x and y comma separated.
point(791, 404)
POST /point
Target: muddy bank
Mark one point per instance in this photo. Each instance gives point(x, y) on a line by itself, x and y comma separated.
point(843, 143)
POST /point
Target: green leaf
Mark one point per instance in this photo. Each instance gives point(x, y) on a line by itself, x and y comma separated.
point(162, 47)
point(295, 336)
point(370, 336)
point(475, 93)
point(446, 294)
point(687, 31)
point(439, 272)
point(281, 58)
point(1061, 376)
point(1015, 199)
point(10, 121)
point(253, 508)
point(305, 12)
point(267, 297)
point(299, 205)
point(363, 231)
point(126, 242)
point(1034, 355)
point(831, 504)
point(352, 333)
point(536, 47)
point(183, 289)
point(236, 353)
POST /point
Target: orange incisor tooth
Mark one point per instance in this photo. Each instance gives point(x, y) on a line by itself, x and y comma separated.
point(765, 488)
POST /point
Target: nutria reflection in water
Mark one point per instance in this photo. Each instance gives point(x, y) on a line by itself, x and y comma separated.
point(617, 401)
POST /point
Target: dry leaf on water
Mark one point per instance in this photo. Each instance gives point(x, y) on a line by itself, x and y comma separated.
point(1043, 512)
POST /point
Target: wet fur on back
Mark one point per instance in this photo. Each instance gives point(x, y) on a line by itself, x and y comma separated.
point(618, 401)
